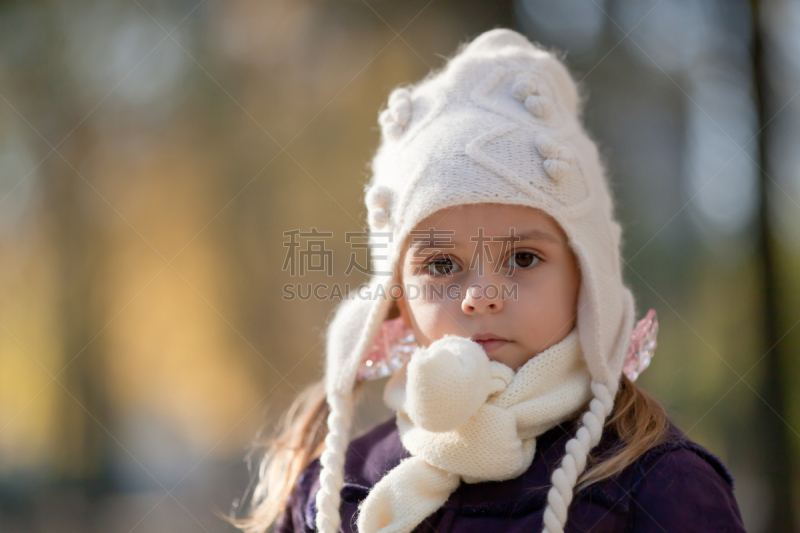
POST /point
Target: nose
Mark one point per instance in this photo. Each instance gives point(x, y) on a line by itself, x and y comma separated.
point(480, 299)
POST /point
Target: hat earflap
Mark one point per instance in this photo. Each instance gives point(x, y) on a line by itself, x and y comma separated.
point(354, 325)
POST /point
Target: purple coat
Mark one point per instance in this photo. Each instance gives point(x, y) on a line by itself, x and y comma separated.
point(677, 486)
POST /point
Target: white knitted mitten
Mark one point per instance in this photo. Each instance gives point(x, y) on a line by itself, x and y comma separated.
point(449, 381)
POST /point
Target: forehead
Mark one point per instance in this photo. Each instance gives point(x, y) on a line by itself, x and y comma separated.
point(459, 224)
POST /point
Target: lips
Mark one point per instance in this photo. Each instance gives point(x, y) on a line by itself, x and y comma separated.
point(489, 341)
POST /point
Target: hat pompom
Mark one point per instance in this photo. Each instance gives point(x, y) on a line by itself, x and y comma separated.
point(379, 196)
point(396, 117)
point(534, 94)
point(556, 168)
point(379, 201)
point(524, 86)
point(539, 106)
point(389, 126)
point(557, 157)
point(379, 218)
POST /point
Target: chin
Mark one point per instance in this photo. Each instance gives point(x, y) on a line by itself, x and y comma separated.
point(511, 362)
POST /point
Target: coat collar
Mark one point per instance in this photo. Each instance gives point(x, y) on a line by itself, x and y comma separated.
point(373, 454)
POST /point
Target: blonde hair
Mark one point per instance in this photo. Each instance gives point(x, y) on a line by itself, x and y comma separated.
point(638, 419)
point(300, 441)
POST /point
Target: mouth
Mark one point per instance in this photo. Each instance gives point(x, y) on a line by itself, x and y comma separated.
point(489, 341)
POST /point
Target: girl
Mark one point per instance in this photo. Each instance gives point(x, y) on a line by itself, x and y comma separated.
point(499, 309)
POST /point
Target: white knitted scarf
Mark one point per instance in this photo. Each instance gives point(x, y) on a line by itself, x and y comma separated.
point(463, 416)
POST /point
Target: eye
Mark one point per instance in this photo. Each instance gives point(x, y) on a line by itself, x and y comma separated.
point(523, 259)
point(442, 266)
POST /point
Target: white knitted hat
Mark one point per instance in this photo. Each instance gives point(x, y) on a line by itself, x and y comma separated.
point(499, 124)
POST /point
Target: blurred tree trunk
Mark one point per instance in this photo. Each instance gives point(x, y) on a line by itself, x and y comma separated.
point(775, 435)
point(71, 212)
point(77, 245)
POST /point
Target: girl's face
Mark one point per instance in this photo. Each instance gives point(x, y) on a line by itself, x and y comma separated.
point(498, 274)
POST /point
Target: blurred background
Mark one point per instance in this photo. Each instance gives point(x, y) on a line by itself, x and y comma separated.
point(154, 156)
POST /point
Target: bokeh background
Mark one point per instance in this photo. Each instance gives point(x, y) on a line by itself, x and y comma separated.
point(153, 156)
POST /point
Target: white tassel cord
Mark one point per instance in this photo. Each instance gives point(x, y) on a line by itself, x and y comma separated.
point(574, 462)
point(332, 461)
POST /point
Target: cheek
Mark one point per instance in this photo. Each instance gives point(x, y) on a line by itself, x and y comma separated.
point(542, 313)
point(550, 296)
point(431, 316)
point(424, 316)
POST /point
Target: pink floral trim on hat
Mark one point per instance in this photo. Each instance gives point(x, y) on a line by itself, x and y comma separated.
point(642, 346)
point(390, 349)
point(394, 343)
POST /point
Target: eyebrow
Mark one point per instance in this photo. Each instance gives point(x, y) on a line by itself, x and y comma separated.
point(438, 240)
point(539, 235)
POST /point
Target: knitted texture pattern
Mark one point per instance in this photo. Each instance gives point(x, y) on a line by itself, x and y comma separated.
point(500, 123)
point(464, 417)
point(332, 460)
